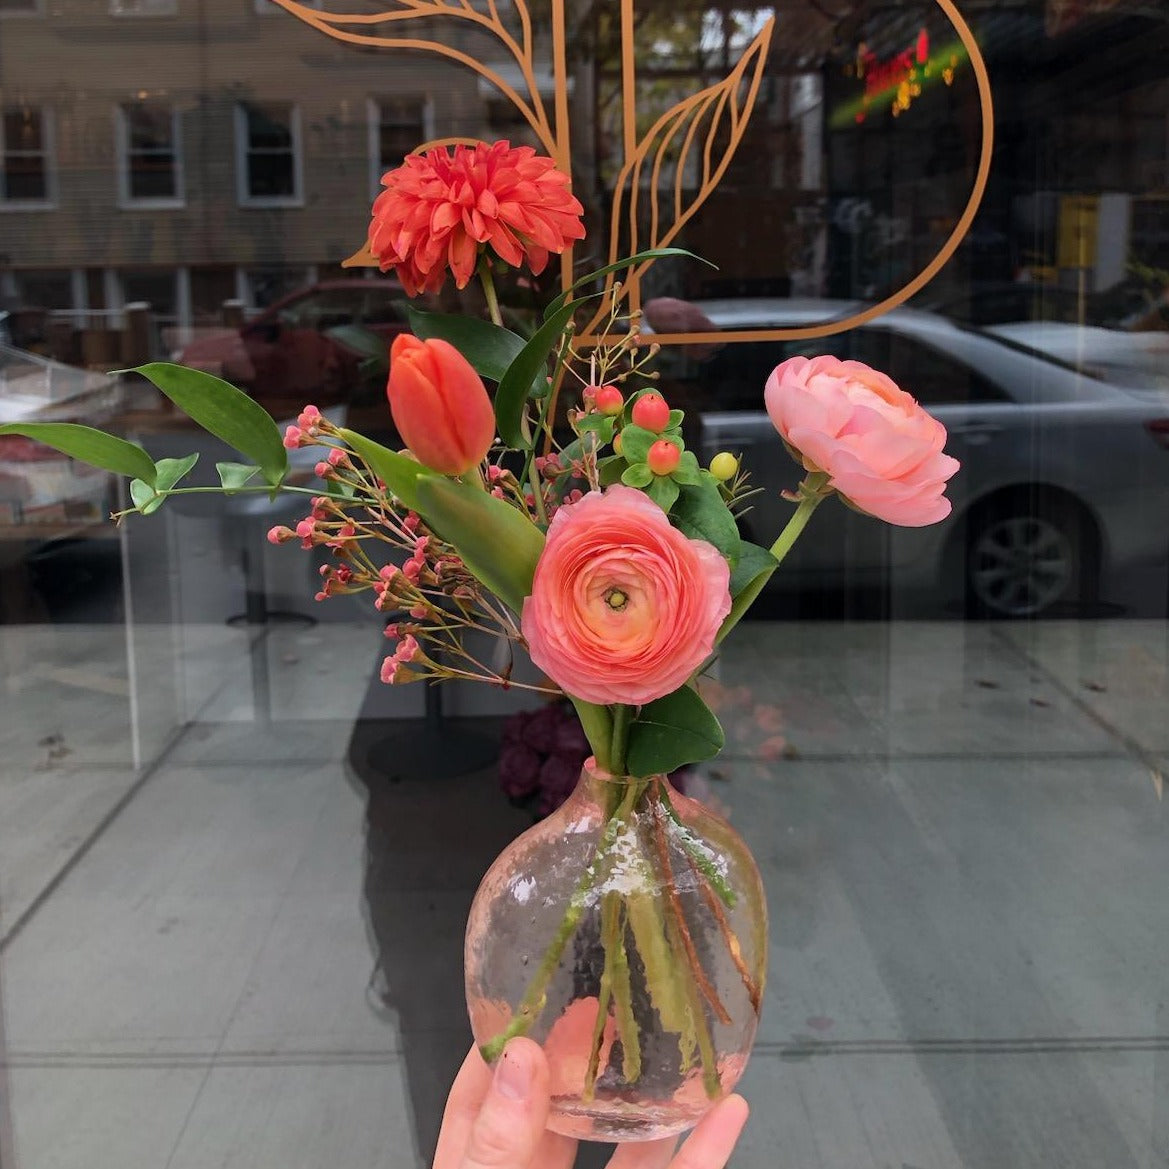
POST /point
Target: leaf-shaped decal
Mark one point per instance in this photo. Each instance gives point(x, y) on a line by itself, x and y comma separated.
point(685, 139)
point(437, 34)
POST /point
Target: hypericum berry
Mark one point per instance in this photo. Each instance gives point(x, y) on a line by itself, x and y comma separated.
point(609, 400)
point(663, 457)
point(651, 413)
point(724, 466)
point(617, 443)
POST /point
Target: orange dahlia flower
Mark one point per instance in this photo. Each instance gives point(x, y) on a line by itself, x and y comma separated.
point(439, 210)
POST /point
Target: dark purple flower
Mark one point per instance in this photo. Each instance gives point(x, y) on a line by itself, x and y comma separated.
point(516, 725)
point(519, 770)
point(570, 737)
point(558, 778)
point(540, 731)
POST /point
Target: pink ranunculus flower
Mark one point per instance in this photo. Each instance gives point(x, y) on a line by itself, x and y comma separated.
point(880, 449)
point(624, 607)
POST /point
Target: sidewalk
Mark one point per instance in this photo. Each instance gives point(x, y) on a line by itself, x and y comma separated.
point(230, 957)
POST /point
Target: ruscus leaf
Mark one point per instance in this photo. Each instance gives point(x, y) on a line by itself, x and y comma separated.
point(224, 411)
point(233, 476)
point(702, 514)
point(88, 445)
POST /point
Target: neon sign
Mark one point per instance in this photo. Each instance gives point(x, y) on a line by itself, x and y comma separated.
point(897, 81)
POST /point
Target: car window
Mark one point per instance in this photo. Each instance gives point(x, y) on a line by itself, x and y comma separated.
point(324, 310)
point(931, 376)
point(379, 306)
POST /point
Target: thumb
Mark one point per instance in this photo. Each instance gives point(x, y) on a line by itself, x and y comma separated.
point(514, 1113)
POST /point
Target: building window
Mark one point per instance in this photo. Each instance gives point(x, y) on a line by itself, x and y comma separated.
point(397, 127)
point(27, 179)
point(268, 164)
point(150, 164)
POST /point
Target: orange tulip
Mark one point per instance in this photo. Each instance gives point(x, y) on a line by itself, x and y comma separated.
point(440, 405)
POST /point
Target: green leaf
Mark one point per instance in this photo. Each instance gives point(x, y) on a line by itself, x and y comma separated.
point(671, 732)
point(663, 491)
point(400, 474)
point(488, 347)
point(753, 561)
point(498, 544)
point(170, 471)
point(688, 471)
point(145, 498)
point(748, 577)
point(88, 445)
point(517, 382)
point(233, 476)
point(639, 475)
point(599, 425)
point(702, 514)
point(223, 411)
point(676, 417)
point(628, 262)
point(636, 441)
point(612, 469)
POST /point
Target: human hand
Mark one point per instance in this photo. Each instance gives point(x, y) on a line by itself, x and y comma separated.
point(499, 1121)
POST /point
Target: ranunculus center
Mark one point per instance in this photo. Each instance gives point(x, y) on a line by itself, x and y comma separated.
point(616, 599)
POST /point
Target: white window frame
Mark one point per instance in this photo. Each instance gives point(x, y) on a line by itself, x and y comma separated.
point(126, 200)
point(143, 9)
point(49, 152)
point(243, 198)
point(373, 121)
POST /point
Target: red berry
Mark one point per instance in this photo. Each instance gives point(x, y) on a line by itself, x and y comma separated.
point(663, 457)
point(609, 400)
point(651, 413)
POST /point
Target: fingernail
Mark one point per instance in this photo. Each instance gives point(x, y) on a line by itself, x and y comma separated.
point(513, 1076)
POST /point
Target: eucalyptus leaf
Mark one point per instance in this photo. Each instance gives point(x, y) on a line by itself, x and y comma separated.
point(671, 732)
point(702, 514)
point(233, 476)
point(488, 347)
point(88, 445)
point(663, 491)
point(224, 411)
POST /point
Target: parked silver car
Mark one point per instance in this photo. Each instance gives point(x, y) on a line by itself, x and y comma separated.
point(1064, 483)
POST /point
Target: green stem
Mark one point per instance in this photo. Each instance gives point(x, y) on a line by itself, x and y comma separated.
point(598, 728)
point(695, 852)
point(811, 491)
point(622, 715)
point(536, 995)
point(488, 282)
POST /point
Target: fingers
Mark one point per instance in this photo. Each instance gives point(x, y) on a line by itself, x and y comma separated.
point(644, 1154)
point(710, 1145)
point(462, 1106)
point(514, 1112)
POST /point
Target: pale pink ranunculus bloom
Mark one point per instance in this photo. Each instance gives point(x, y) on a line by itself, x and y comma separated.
point(624, 607)
point(880, 449)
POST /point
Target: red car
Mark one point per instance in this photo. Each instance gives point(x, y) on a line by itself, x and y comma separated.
point(287, 355)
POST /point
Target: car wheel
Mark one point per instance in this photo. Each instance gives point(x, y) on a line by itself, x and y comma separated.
point(1025, 557)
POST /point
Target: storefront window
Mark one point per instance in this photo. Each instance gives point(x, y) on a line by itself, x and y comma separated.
point(234, 874)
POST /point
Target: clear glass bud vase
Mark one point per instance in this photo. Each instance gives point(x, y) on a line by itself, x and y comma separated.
point(627, 934)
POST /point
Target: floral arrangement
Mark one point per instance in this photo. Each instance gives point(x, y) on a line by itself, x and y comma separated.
point(608, 554)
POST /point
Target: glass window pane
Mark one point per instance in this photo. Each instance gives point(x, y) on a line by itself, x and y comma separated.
point(151, 128)
point(269, 127)
point(23, 130)
point(24, 178)
point(271, 175)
